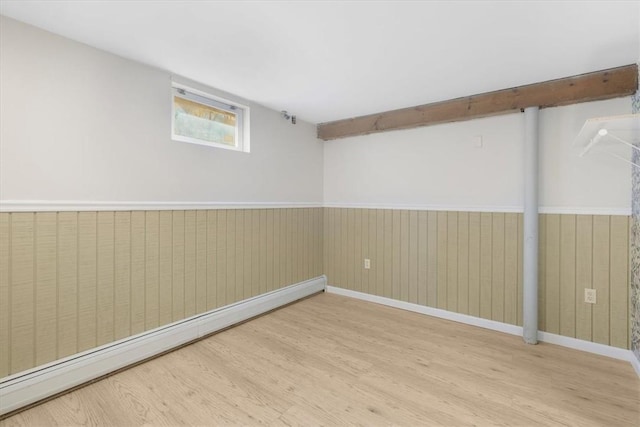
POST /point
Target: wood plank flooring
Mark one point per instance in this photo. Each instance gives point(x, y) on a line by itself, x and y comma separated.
point(331, 360)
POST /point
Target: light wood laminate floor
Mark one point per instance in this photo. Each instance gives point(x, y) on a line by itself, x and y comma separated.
point(331, 360)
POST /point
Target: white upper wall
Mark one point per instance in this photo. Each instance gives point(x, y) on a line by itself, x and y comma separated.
point(440, 166)
point(80, 124)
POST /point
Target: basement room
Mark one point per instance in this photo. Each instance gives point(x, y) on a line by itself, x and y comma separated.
point(319, 213)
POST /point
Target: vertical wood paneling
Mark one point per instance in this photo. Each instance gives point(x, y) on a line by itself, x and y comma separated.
point(486, 264)
point(542, 277)
point(395, 253)
point(463, 262)
point(287, 224)
point(5, 296)
point(122, 277)
point(244, 264)
point(497, 268)
point(380, 255)
point(618, 282)
point(189, 263)
point(442, 268)
point(165, 266)
point(404, 255)
point(277, 250)
point(152, 270)
point(511, 268)
point(368, 235)
point(230, 249)
point(600, 311)
point(105, 331)
point(202, 238)
point(71, 281)
point(377, 243)
point(474, 264)
point(252, 244)
point(567, 275)
point(413, 256)
point(304, 227)
point(320, 214)
point(213, 259)
point(46, 285)
point(137, 275)
point(22, 292)
point(358, 242)
point(584, 247)
point(388, 278)
point(432, 259)
point(520, 266)
point(67, 283)
point(221, 258)
point(351, 231)
point(87, 275)
point(471, 263)
point(298, 245)
point(261, 286)
point(452, 261)
point(552, 273)
point(269, 249)
point(422, 257)
point(328, 248)
point(177, 288)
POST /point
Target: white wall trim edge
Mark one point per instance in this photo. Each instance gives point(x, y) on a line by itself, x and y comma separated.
point(635, 363)
point(76, 205)
point(576, 344)
point(36, 384)
point(503, 209)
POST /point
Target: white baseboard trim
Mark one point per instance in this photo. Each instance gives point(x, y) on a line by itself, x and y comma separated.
point(576, 344)
point(573, 210)
point(36, 384)
point(635, 363)
point(435, 312)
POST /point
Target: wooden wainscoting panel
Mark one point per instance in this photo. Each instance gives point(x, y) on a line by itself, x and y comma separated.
point(190, 258)
point(5, 295)
point(471, 263)
point(136, 282)
point(567, 265)
point(87, 280)
point(46, 287)
point(122, 302)
point(619, 282)
point(152, 270)
point(67, 321)
point(71, 281)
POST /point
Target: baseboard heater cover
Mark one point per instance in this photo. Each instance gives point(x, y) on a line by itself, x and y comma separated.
point(574, 343)
point(22, 389)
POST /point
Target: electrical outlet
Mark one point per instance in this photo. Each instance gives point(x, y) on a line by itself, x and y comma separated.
point(590, 296)
point(367, 263)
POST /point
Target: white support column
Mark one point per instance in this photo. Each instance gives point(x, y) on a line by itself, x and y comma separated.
point(530, 250)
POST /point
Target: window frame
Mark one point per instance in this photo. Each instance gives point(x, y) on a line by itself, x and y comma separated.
point(239, 110)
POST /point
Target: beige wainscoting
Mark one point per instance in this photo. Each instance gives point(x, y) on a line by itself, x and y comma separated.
point(71, 281)
point(471, 263)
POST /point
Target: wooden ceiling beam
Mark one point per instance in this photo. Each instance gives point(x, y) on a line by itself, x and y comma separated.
point(599, 85)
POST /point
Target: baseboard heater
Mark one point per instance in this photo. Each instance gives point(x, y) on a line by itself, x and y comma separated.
point(25, 388)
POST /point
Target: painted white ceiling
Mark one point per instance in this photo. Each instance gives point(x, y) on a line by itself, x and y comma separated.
point(328, 60)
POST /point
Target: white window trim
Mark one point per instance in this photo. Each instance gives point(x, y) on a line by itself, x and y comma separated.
point(243, 115)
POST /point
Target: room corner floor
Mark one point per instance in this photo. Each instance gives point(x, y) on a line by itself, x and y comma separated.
point(335, 360)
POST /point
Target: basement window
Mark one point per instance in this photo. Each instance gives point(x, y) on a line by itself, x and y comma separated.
point(205, 119)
